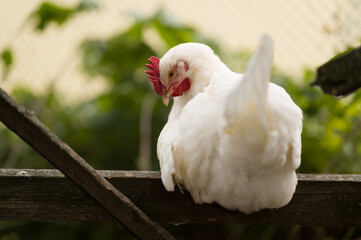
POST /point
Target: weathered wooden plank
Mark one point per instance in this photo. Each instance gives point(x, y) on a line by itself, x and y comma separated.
point(341, 75)
point(46, 195)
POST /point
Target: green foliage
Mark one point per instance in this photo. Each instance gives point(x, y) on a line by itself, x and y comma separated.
point(7, 61)
point(331, 127)
point(122, 57)
point(119, 57)
point(170, 32)
point(49, 12)
point(7, 57)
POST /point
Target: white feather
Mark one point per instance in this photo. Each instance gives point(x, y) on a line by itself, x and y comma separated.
point(232, 139)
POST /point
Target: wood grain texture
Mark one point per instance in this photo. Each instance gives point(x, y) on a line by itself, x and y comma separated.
point(47, 195)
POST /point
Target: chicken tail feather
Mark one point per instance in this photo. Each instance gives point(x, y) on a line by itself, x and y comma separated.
point(245, 105)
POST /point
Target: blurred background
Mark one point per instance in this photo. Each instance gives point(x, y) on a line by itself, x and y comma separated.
point(80, 66)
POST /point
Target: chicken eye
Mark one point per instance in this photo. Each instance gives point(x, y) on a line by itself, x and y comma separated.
point(171, 74)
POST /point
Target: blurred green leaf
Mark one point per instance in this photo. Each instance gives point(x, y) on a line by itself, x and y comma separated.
point(7, 61)
point(49, 12)
point(86, 5)
point(7, 57)
point(117, 58)
point(171, 33)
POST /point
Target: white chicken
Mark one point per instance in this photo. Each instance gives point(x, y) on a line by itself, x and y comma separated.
point(230, 138)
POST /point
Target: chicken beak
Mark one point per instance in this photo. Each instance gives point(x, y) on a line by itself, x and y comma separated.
point(167, 95)
point(165, 100)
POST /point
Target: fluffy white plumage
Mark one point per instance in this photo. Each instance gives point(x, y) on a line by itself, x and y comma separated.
point(232, 139)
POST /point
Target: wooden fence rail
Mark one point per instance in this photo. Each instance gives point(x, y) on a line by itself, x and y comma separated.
point(47, 195)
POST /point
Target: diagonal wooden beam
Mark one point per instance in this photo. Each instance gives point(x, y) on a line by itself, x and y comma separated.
point(25, 124)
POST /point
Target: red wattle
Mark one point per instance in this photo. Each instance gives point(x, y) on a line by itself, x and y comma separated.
point(185, 85)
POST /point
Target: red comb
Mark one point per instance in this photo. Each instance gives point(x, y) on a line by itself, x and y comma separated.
point(154, 75)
